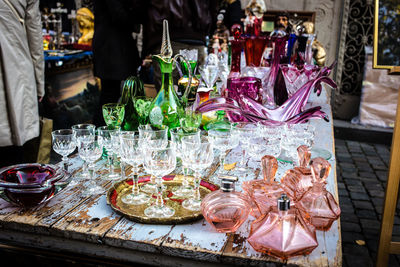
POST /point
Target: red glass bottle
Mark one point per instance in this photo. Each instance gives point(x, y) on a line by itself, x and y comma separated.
point(283, 232)
point(317, 201)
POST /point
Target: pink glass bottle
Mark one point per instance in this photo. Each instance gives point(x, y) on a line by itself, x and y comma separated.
point(225, 209)
point(283, 232)
point(317, 201)
point(297, 181)
point(264, 193)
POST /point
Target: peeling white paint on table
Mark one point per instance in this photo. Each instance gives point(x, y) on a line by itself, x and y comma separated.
point(91, 224)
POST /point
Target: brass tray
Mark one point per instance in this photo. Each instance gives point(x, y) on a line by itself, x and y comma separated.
point(136, 212)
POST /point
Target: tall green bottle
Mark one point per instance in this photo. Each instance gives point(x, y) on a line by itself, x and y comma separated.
point(166, 108)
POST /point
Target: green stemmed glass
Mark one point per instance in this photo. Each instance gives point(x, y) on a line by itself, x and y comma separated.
point(190, 121)
point(142, 107)
point(113, 114)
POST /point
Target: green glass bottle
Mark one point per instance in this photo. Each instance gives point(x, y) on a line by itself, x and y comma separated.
point(166, 108)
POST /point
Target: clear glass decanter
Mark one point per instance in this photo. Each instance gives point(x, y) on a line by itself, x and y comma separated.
point(283, 232)
point(264, 192)
point(317, 201)
point(226, 209)
point(295, 182)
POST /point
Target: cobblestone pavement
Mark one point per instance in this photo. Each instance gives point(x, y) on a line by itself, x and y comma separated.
point(362, 174)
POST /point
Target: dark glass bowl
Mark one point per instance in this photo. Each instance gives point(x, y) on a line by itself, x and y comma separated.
point(31, 184)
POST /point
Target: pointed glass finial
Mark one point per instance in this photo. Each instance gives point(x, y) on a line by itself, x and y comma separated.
point(166, 49)
point(304, 156)
point(320, 169)
point(269, 167)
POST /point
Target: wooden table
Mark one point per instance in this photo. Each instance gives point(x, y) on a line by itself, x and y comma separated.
point(71, 223)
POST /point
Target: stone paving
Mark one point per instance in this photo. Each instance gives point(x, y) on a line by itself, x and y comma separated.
point(362, 174)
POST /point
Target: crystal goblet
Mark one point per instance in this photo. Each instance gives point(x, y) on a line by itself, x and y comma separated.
point(153, 138)
point(159, 162)
point(110, 145)
point(91, 148)
point(63, 144)
point(131, 153)
point(244, 131)
point(177, 136)
point(198, 156)
point(82, 131)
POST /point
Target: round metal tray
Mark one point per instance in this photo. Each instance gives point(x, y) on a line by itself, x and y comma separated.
point(136, 212)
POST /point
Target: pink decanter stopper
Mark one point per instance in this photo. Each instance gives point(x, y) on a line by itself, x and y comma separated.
point(269, 166)
point(317, 201)
point(264, 193)
point(283, 232)
point(304, 155)
point(320, 169)
point(297, 181)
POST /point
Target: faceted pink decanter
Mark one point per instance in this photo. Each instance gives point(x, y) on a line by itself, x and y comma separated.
point(317, 201)
point(225, 209)
point(297, 181)
point(283, 232)
point(264, 192)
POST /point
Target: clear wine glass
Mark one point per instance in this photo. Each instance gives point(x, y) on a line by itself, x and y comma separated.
point(243, 132)
point(153, 138)
point(160, 162)
point(223, 140)
point(177, 135)
point(63, 144)
point(131, 153)
point(198, 156)
point(109, 145)
point(261, 145)
point(294, 136)
point(82, 131)
point(91, 148)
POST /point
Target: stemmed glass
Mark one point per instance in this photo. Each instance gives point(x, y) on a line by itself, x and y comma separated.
point(90, 149)
point(198, 156)
point(261, 145)
point(131, 153)
point(81, 132)
point(159, 162)
point(177, 135)
point(243, 132)
point(294, 136)
point(109, 145)
point(223, 140)
point(142, 107)
point(63, 144)
point(113, 114)
point(191, 121)
point(151, 138)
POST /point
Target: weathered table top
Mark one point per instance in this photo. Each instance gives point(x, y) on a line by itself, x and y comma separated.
point(71, 222)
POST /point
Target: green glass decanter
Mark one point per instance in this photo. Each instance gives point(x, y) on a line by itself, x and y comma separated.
point(166, 108)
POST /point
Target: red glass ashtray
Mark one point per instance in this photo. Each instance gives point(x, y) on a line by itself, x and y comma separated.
point(31, 184)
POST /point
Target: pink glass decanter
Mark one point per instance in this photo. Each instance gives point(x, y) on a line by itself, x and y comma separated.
point(283, 232)
point(264, 192)
point(317, 201)
point(225, 209)
point(295, 182)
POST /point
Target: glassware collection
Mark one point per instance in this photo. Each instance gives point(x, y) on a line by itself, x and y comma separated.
point(260, 109)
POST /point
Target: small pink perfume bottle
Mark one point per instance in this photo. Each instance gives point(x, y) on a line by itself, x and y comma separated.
point(283, 232)
point(225, 209)
point(264, 192)
point(317, 201)
point(297, 181)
